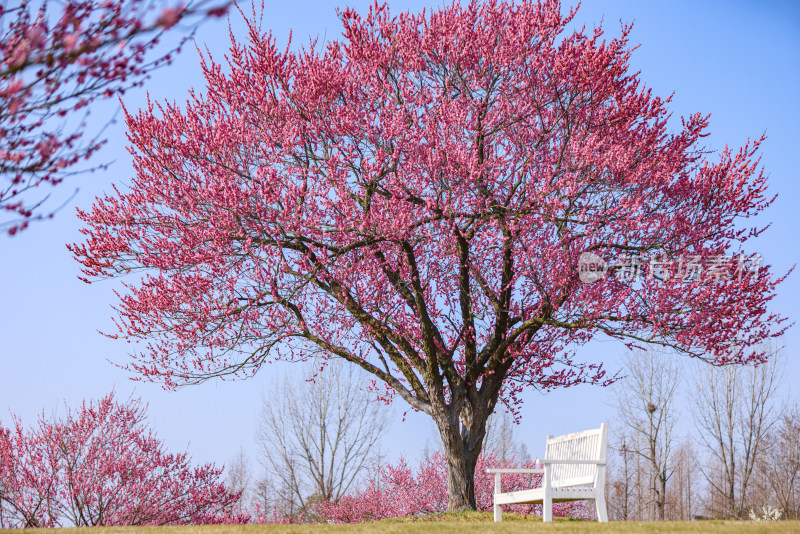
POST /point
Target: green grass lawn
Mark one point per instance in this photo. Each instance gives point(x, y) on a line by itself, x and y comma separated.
point(458, 523)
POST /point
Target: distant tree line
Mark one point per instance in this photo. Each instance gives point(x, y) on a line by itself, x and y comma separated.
point(741, 459)
point(319, 439)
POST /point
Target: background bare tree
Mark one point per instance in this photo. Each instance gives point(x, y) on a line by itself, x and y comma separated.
point(777, 471)
point(317, 435)
point(238, 479)
point(645, 400)
point(734, 411)
point(502, 438)
point(684, 489)
point(621, 479)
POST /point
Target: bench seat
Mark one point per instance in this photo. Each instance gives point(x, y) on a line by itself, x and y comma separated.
point(574, 470)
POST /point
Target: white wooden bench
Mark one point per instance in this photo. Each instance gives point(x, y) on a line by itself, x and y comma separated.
point(574, 470)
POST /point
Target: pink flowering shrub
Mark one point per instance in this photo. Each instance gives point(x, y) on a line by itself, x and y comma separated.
point(400, 490)
point(101, 465)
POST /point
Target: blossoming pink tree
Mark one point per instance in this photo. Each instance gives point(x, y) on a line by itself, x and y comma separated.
point(100, 465)
point(414, 199)
point(55, 60)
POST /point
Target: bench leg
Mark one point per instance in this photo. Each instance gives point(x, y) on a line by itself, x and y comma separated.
point(600, 504)
point(498, 511)
point(547, 508)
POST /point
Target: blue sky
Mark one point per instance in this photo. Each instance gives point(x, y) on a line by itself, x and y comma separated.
point(739, 61)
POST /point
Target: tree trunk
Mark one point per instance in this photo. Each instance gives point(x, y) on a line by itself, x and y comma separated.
point(661, 496)
point(462, 446)
point(460, 482)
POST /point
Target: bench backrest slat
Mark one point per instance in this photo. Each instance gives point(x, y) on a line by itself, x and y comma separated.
point(586, 445)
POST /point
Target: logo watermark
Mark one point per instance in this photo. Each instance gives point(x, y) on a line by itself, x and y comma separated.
point(591, 267)
point(683, 267)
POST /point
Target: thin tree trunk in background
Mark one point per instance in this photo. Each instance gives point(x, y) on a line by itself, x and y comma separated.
point(645, 402)
point(734, 411)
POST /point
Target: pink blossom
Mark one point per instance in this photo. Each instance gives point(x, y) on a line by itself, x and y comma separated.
point(170, 16)
point(19, 55)
point(220, 11)
point(70, 40)
point(14, 86)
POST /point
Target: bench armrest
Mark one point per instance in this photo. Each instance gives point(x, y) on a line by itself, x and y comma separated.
point(520, 470)
point(575, 462)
